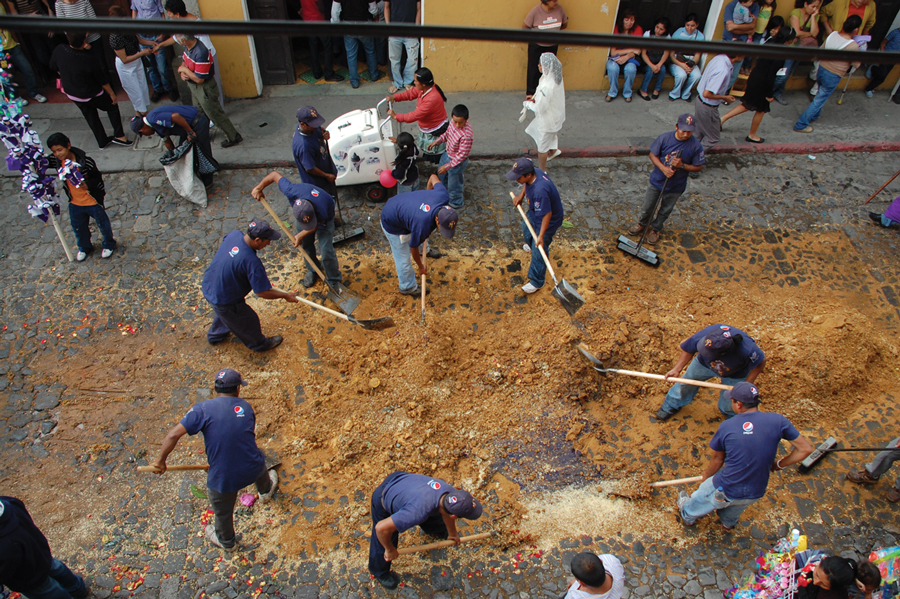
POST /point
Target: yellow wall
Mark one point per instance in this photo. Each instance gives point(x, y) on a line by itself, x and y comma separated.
point(461, 65)
point(235, 52)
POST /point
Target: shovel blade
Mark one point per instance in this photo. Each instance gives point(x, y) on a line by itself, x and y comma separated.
point(591, 357)
point(272, 459)
point(346, 300)
point(641, 253)
point(375, 324)
point(570, 299)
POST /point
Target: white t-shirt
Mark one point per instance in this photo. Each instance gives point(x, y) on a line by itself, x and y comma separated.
point(613, 568)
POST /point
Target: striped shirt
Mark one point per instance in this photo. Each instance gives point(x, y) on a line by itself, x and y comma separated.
point(459, 142)
point(29, 7)
point(199, 60)
point(80, 9)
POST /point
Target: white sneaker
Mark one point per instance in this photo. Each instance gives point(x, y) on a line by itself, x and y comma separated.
point(23, 101)
point(39, 98)
point(529, 288)
point(106, 253)
point(526, 247)
point(81, 256)
point(683, 498)
point(814, 90)
point(553, 155)
point(273, 477)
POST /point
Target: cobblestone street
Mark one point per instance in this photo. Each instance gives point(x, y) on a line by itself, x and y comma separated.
point(101, 358)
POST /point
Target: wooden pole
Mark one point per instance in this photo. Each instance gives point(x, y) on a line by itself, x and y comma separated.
point(59, 234)
point(677, 481)
point(441, 544)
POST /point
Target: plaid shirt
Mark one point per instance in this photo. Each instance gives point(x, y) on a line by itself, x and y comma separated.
point(459, 143)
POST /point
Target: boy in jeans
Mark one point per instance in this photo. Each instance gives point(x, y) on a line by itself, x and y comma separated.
point(84, 186)
point(454, 161)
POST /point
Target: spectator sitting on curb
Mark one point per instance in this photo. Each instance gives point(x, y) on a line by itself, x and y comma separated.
point(452, 168)
point(890, 217)
point(738, 32)
point(85, 198)
point(685, 67)
point(744, 449)
point(623, 58)
point(26, 564)
point(655, 60)
point(596, 575)
point(674, 155)
point(805, 22)
point(835, 13)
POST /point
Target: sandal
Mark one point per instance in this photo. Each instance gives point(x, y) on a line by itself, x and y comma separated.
point(393, 89)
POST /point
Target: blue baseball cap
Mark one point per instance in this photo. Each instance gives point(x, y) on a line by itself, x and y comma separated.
point(261, 229)
point(227, 378)
point(310, 116)
point(744, 392)
point(305, 214)
point(522, 166)
point(686, 122)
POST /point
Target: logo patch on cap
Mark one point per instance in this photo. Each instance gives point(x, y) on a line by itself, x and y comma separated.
point(452, 499)
point(313, 113)
point(434, 484)
point(689, 120)
point(221, 375)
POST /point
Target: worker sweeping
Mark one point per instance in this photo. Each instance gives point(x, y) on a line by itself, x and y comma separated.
point(227, 423)
point(743, 454)
point(406, 500)
point(718, 350)
point(233, 273)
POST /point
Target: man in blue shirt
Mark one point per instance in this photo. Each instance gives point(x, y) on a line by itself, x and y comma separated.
point(743, 454)
point(717, 350)
point(408, 219)
point(406, 500)
point(227, 423)
point(233, 273)
point(545, 213)
point(187, 122)
point(314, 210)
point(311, 151)
point(674, 155)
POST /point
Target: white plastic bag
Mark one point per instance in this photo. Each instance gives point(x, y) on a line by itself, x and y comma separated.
point(185, 181)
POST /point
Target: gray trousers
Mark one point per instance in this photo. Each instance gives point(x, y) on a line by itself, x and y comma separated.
point(884, 460)
point(665, 209)
point(708, 125)
point(223, 506)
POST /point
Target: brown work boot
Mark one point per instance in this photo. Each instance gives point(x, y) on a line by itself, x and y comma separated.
point(652, 236)
point(636, 229)
point(893, 495)
point(862, 477)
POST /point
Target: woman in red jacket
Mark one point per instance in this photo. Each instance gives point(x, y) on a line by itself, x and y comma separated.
point(430, 113)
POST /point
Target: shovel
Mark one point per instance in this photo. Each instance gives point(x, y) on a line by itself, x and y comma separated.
point(272, 461)
point(598, 366)
point(440, 544)
point(339, 294)
point(872, 197)
point(424, 262)
point(570, 299)
point(375, 324)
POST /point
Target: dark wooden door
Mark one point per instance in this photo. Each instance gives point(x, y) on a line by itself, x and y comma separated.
point(647, 11)
point(274, 52)
point(886, 12)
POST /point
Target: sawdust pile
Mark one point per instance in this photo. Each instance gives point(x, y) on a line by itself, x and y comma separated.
point(491, 394)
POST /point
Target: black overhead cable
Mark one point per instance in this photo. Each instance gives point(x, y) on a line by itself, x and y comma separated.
point(33, 24)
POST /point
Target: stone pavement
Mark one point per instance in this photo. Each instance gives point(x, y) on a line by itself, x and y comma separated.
point(592, 126)
point(51, 308)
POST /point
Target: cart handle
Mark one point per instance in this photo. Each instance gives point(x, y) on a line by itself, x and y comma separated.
point(378, 106)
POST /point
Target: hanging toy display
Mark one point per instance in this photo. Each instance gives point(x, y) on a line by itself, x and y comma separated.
point(26, 154)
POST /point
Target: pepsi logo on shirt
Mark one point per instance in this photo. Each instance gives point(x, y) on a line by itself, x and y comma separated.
point(239, 411)
point(425, 208)
point(748, 428)
point(234, 251)
point(434, 485)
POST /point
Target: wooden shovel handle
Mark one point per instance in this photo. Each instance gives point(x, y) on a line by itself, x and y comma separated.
point(440, 544)
point(424, 263)
point(534, 237)
point(671, 379)
point(174, 467)
point(677, 481)
point(287, 232)
point(880, 190)
point(323, 308)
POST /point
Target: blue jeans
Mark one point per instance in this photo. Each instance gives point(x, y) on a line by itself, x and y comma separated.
point(62, 583)
point(454, 179)
point(351, 44)
point(329, 256)
point(680, 77)
point(395, 51)
point(402, 261)
point(648, 75)
point(828, 82)
point(781, 80)
point(702, 502)
point(80, 217)
point(681, 395)
point(20, 61)
point(407, 188)
point(537, 271)
point(612, 71)
point(159, 69)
